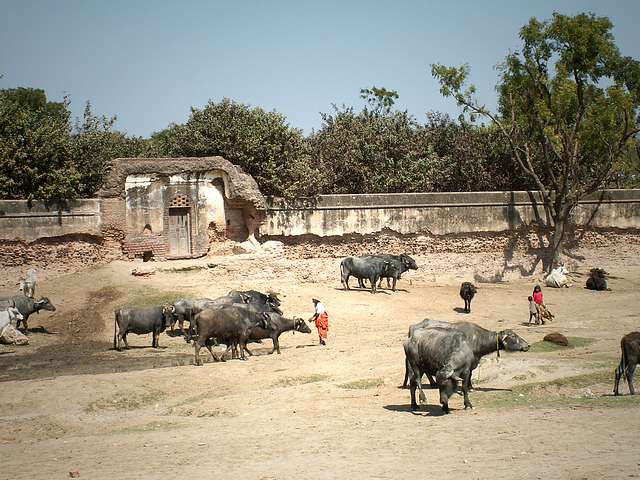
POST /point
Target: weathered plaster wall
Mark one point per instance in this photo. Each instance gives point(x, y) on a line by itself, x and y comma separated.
point(438, 213)
point(29, 221)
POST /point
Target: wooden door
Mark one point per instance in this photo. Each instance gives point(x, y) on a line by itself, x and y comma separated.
point(179, 232)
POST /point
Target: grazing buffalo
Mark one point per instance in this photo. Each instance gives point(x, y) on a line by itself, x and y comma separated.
point(27, 305)
point(597, 279)
point(446, 355)
point(401, 264)
point(467, 291)
point(481, 341)
point(228, 324)
point(140, 321)
point(277, 326)
point(629, 359)
point(370, 268)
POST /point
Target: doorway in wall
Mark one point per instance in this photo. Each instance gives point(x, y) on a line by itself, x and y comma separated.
point(179, 233)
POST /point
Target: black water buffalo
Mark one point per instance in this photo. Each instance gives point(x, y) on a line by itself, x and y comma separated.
point(629, 359)
point(253, 296)
point(367, 267)
point(401, 264)
point(481, 341)
point(27, 305)
point(467, 292)
point(187, 308)
point(228, 324)
point(141, 321)
point(277, 326)
point(597, 279)
point(443, 353)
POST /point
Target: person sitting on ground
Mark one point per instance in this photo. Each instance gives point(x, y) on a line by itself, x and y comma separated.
point(321, 318)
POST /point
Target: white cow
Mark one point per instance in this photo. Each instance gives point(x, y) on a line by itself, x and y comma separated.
point(557, 278)
point(8, 332)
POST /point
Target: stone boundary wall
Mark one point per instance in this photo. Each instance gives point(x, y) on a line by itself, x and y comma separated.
point(438, 213)
point(336, 215)
point(21, 220)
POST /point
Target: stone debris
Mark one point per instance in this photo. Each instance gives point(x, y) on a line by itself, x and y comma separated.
point(557, 338)
point(244, 247)
point(143, 271)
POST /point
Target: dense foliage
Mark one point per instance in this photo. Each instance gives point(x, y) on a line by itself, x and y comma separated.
point(567, 124)
point(568, 109)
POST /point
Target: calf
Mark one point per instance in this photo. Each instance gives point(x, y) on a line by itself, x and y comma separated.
point(467, 292)
point(597, 279)
point(140, 321)
point(27, 305)
point(629, 359)
point(277, 326)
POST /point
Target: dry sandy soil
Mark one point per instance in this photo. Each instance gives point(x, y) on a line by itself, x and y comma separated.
point(72, 404)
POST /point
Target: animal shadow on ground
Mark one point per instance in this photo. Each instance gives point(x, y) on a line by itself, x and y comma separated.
point(365, 290)
point(427, 410)
point(489, 389)
point(138, 347)
point(42, 329)
point(425, 386)
point(175, 333)
point(459, 310)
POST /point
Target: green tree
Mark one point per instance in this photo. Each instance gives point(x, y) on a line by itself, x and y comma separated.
point(379, 99)
point(94, 143)
point(568, 108)
point(370, 151)
point(34, 146)
point(260, 142)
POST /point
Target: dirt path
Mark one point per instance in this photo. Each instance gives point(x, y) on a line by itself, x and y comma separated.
point(70, 403)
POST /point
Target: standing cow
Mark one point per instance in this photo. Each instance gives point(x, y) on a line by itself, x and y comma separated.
point(481, 341)
point(370, 268)
point(401, 263)
point(629, 359)
point(140, 321)
point(444, 354)
point(467, 291)
point(228, 324)
point(27, 305)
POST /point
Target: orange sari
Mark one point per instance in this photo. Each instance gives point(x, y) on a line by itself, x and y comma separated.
point(322, 324)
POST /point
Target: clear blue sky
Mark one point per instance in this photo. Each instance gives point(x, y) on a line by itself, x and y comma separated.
point(148, 62)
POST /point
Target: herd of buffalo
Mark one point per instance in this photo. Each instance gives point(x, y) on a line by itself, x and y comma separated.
point(447, 353)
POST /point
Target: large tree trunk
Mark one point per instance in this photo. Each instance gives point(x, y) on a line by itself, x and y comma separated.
point(561, 221)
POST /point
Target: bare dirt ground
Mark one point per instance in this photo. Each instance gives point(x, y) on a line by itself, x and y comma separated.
point(71, 403)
